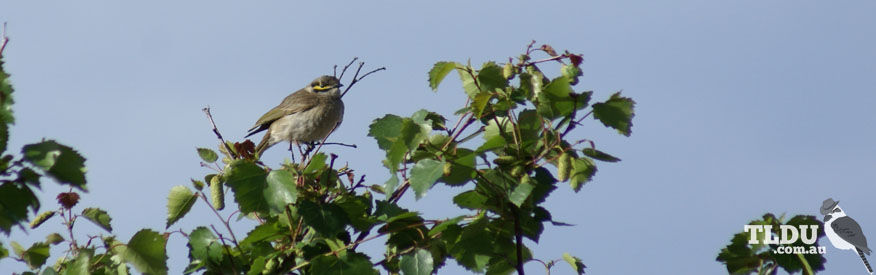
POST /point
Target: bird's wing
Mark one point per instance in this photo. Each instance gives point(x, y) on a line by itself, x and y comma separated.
point(849, 230)
point(294, 103)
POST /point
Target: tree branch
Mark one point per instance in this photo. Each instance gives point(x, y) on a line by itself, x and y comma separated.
point(218, 135)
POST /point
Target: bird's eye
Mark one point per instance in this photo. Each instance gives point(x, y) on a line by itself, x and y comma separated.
point(836, 210)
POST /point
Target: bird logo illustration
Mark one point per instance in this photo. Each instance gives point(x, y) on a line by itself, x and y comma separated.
point(844, 232)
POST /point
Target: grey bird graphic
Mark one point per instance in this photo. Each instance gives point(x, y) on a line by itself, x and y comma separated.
point(844, 232)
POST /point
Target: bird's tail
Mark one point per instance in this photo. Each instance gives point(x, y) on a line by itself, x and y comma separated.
point(263, 145)
point(866, 263)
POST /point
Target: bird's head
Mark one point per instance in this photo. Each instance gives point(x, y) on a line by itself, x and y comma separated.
point(326, 85)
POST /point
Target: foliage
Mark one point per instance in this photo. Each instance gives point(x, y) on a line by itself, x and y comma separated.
point(743, 257)
point(511, 146)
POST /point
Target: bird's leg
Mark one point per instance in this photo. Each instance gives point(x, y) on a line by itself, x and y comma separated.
point(303, 155)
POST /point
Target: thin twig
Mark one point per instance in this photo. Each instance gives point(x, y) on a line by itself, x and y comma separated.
point(216, 131)
point(3, 40)
point(346, 67)
point(227, 226)
point(233, 265)
point(356, 77)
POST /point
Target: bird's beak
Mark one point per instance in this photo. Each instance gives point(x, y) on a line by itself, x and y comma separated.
point(827, 217)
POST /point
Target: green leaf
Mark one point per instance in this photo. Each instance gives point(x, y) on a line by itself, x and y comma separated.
point(3, 252)
point(444, 225)
point(204, 247)
point(347, 263)
point(17, 199)
point(59, 161)
point(146, 252)
point(35, 256)
point(99, 217)
point(326, 219)
point(396, 136)
point(268, 231)
point(424, 174)
point(207, 155)
point(616, 112)
point(599, 155)
point(555, 101)
point(179, 202)
point(248, 181)
point(4, 135)
point(462, 167)
point(417, 263)
point(80, 265)
point(575, 262)
point(521, 193)
point(468, 82)
point(572, 72)
point(438, 72)
point(281, 190)
point(41, 218)
point(6, 100)
point(317, 162)
point(480, 103)
point(199, 185)
point(390, 185)
point(583, 170)
point(470, 200)
point(490, 78)
point(54, 238)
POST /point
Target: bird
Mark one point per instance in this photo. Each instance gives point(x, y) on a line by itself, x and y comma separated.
point(844, 232)
point(305, 116)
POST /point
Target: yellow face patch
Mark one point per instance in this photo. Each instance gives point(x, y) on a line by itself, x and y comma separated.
point(321, 88)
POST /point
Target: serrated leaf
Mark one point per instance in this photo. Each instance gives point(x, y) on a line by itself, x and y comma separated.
point(575, 262)
point(490, 77)
point(479, 103)
point(17, 199)
point(281, 190)
point(572, 72)
point(80, 265)
point(41, 218)
point(54, 238)
point(462, 167)
point(390, 185)
point(317, 162)
point(179, 202)
point(470, 200)
point(326, 219)
point(347, 263)
point(468, 81)
point(35, 256)
point(146, 252)
point(396, 136)
point(264, 232)
point(424, 174)
point(99, 217)
point(444, 225)
point(419, 262)
point(207, 155)
point(438, 72)
point(248, 181)
point(599, 155)
point(521, 193)
point(582, 172)
point(616, 112)
point(204, 247)
point(556, 101)
point(6, 100)
point(59, 161)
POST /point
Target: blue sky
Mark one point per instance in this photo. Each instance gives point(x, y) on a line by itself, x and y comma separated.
point(744, 107)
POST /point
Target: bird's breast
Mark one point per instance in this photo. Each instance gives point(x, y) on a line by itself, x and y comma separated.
point(313, 124)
